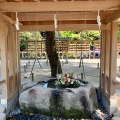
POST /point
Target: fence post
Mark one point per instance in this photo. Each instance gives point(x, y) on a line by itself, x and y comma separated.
point(82, 76)
point(26, 65)
point(32, 76)
point(24, 68)
point(97, 65)
point(29, 63)
point(62, 63)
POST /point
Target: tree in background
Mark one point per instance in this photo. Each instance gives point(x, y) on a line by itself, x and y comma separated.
point(52, 54)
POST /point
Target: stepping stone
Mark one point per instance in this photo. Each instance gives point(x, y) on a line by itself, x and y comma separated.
point(2, 116)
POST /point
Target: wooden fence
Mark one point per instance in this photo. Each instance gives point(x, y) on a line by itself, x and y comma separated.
point(90, 49)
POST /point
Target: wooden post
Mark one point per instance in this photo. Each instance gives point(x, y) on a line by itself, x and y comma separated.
point(97, 65)
point(11, 61)
point(102, 60)
point(41, 50)
point(66, 58)
point(107, 56)
point(4, 61)
point(32, 77)
point(62, 63)
point(17, 41)
point(82, 76)
point(24, 68)
point(27, 49)
point(76, 48)
point(26, 65)
point(29, 63)
point(94, 51)
point(89, 51)
point(113, 56)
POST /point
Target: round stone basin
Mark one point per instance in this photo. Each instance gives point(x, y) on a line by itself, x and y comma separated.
point(47, 99)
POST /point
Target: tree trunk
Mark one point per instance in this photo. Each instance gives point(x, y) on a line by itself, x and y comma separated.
point(52, 54)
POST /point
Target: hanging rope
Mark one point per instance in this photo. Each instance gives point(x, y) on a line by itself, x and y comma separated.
point(35, 46)
point(81, 56)
point(55, 24)
point(57, 32)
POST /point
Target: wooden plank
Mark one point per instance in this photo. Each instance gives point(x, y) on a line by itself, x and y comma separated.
point(63, 27)
point(59, 6)
point(44, 16)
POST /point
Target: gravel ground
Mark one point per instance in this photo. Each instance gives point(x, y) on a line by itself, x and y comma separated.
point(99, 114)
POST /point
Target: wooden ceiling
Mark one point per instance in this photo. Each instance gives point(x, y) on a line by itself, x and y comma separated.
point(71, 14)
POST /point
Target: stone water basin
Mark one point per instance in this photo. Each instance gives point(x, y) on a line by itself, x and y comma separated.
point(68, 103)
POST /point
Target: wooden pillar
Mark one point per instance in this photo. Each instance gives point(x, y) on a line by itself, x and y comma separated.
point(108, 67)
point(102, 60)
point(11, 61)
point(18, 60)
point(113, 56)
point(4, 61)
point(15, 60)
point(107, 60)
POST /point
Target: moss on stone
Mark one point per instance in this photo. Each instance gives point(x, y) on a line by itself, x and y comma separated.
point(56, 108)
point(72, 113)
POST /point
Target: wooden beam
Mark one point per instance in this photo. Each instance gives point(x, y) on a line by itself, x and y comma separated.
point(112, 17)
point(6, 18)
point(65, 22)
point(14, 0)
point(58, 6)
point(62, 27)
point(3, 0)
point(60, 16)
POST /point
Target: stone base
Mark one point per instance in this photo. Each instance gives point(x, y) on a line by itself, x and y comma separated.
point(112, 107)
point(12, 103)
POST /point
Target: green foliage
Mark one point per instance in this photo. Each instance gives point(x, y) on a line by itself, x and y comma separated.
point(66, 34)
point(75, 36)
point(119, 32)
point(90, 35)
point(67, 114)
point(83, 35)
point(24, 36)
point(76, 114)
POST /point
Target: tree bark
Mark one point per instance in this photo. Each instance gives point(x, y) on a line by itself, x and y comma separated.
point(52, 54)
